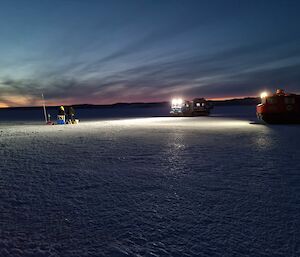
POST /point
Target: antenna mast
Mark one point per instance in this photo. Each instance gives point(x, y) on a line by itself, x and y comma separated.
point(44, 107)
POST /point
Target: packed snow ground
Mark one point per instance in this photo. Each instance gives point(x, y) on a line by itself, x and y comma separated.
point(205, 186)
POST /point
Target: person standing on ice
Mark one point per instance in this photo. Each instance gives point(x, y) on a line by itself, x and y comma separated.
point(61, 111)
point(71, 114)
point(61, 117)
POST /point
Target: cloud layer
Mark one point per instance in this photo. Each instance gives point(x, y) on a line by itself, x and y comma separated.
point(107, 52)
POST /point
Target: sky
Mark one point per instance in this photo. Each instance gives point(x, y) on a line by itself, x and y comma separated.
point(103, 52)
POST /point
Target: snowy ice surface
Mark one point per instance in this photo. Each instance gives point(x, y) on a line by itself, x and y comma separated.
point(160, 186)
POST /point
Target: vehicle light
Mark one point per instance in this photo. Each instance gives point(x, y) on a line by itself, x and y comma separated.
point(177, 102)
point(263, 95)
point(174, 101)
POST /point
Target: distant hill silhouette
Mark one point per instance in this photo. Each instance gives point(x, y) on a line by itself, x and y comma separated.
point(235, 101)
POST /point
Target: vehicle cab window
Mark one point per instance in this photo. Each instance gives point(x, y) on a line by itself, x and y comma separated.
point(289, 100)
point(271, 100)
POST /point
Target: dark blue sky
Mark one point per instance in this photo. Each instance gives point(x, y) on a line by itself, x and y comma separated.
point(93, 51)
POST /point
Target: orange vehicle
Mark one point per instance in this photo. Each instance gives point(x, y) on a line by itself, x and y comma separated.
point(279, 108)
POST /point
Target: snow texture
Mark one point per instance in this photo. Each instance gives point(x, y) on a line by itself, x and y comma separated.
point(160, 186)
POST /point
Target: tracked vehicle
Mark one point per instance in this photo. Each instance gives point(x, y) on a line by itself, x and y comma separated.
point(280, 107)
point(196, 107)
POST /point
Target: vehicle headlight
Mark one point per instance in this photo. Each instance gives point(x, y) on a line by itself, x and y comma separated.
point(263, 95)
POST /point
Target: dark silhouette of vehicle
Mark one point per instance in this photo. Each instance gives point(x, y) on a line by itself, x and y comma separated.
point(196, 107)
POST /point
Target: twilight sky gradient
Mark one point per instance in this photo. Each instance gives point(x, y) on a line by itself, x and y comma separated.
point(101, 52)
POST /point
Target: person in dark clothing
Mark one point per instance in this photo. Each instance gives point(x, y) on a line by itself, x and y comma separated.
point(71, 114)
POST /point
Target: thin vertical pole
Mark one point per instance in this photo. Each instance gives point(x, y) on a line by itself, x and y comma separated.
point(44, 107)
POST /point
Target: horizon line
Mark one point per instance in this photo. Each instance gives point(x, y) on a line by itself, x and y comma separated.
point(219, 99)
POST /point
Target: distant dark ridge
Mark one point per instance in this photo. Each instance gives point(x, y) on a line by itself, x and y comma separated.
point(98, 106)
point(237, 101)
point(123, 105)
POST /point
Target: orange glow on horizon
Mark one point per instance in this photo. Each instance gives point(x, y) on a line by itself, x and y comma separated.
point(2, 105)
point(15, 101)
